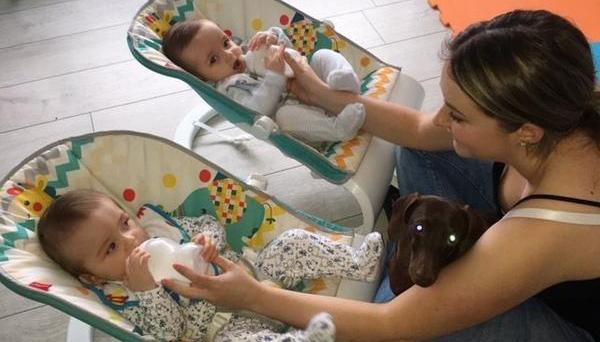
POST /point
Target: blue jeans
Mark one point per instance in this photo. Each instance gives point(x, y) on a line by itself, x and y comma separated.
point(470, 181)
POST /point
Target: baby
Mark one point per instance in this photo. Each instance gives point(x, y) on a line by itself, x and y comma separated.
point(203, 49)
point(94, 239)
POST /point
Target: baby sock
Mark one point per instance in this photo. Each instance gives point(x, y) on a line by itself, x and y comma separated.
point(368, 255)
point(320, 329)
point(349, 121)
point(334, 69)
point(344, 79)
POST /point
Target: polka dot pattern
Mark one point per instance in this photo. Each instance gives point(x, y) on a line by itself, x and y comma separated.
point(284, 20)
point(365, 61)
point(204, 176)
point(169, 180)
point(257, 24)
point(129, 194)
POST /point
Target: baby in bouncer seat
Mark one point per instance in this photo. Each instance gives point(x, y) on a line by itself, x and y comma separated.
point(95, 240)
point(258, 79)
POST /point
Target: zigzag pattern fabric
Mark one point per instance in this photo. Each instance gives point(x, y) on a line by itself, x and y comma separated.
point(378, 85)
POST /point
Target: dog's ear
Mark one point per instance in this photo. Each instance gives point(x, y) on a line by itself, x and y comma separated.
point(477, 223)
point(400, 214)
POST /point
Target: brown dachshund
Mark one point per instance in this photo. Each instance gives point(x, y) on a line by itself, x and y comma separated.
point(430, 232)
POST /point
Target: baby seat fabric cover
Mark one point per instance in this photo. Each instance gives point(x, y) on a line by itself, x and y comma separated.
point(135, 169)
point(243, 18)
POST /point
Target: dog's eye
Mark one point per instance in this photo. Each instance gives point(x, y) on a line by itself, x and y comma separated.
point(452, 239)
point(420, 229)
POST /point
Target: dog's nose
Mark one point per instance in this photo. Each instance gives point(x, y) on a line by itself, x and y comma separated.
point(424, 279)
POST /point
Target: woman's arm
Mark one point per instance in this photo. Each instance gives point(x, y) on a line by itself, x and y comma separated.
point(404, 126)
point(499, 272)
point(390, 121)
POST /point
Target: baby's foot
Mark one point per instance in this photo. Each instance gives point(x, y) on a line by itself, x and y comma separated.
point(368, 256)
point(349, 121)
point(320, 328)
point(344, 79)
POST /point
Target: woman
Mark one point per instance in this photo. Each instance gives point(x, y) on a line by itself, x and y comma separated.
point(519, 90)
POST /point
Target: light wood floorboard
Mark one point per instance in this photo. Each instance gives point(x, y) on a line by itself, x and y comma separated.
point(76, 52)
point(63, 18)
point(12, 6)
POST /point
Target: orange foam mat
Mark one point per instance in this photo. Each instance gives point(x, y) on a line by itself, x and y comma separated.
point(458, 14)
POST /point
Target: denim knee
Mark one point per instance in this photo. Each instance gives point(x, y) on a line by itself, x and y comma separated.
point(448, 175)
point(529, 321)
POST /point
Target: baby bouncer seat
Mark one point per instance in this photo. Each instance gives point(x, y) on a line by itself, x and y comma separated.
point(137, 169)
point(363, 165)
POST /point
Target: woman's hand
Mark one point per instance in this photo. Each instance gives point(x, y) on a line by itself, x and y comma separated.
point(209, 247)
point(137, 276)
point(234, 288)
point(306, 85)
point(274, 61)
point(260, 39)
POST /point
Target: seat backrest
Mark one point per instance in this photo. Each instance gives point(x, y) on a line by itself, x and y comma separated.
point(134, 169)
point(243, 18)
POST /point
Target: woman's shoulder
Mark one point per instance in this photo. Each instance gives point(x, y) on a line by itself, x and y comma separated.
point(564, 241)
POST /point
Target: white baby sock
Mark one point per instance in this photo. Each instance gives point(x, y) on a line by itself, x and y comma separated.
point(349, 121)
point(344, 79)
point(320, 329)
point(368, 255)
point(334, 69)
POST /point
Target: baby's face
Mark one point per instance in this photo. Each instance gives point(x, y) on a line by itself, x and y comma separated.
point(212, 55)
point(103, 242)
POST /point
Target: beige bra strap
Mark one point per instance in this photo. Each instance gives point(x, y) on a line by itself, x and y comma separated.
point(555, 215)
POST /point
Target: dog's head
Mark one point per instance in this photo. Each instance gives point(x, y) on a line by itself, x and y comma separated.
point(435, 231)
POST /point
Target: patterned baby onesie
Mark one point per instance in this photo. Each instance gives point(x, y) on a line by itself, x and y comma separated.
point(161, 312)
point(296, 255)
point(293, 256)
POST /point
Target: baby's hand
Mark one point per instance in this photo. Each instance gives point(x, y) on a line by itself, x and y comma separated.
point(137, 276)
point(274, 61)
point(209, 247)
point(260, 39)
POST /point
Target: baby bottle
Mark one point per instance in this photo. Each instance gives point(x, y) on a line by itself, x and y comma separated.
point(166, 252)
point(255, 60)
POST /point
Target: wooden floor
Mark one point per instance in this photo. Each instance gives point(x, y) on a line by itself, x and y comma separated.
point(65, 70)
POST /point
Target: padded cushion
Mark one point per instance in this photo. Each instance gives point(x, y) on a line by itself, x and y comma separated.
point(243, 19)
point(134, 169)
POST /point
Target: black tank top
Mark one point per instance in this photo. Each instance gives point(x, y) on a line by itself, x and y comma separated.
point(575, 301)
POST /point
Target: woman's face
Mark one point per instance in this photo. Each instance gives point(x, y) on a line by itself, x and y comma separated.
point(475, 135)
